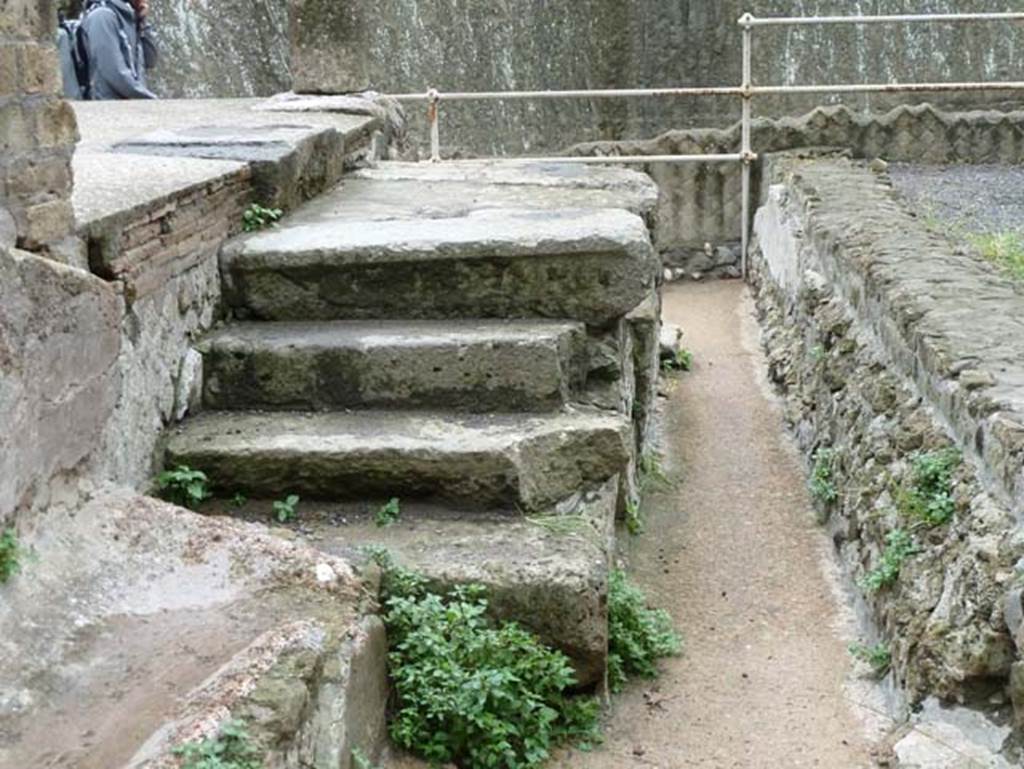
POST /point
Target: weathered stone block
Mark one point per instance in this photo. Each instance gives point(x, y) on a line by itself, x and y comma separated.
point(477, 366)
point(592, 266)
point(28, 19)
point(44, 222)
point(505, 461)
point(59, 383)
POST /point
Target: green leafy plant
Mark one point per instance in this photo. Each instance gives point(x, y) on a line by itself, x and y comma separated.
point(634, 518)
point(284, 509)
point(929, 497)
point(822, 484)
point(361, 760)
point(899, 547)
point(877, 657)
point(681, 360)
point(11, 555)
point(239, 499)
point(232, 748)
point(257, 217)
point(184, 486)
point(389, 513)
point(652, 472)
point(1004, 249)
point(470, 691)
point(638, 636)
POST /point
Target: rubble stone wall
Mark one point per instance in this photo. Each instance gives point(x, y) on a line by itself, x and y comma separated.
point(700, 203)
point(37, 130)
point(890, 346)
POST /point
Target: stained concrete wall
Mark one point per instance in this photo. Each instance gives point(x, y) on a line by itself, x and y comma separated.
point(408, 45)
point(212, 48)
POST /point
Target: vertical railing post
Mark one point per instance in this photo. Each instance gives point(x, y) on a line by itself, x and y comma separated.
point(434, 119)
point(745, 131)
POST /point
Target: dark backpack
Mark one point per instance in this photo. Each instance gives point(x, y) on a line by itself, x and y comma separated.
point(74, 59)
point(73, 49)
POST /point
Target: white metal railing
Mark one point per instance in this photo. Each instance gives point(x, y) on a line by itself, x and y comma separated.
point(746, 91)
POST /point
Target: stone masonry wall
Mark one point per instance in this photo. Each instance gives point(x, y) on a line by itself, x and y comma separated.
point(59, 335)
point(889, 345)
point(37, 130)
point(700, 202)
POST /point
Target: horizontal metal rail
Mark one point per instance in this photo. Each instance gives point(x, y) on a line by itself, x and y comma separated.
point(914, 18)
point(626, 159)
point(624, 93)
point(747, 92)
point(763, 90)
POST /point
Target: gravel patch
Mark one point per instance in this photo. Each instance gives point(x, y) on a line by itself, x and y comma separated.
point(975, 198)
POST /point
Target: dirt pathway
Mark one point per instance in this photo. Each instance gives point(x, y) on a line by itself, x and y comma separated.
point(734, 554)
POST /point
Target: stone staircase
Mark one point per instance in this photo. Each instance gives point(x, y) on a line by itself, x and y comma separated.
point(476, 340)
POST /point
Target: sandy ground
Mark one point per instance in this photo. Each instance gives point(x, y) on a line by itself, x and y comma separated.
point(733, 553)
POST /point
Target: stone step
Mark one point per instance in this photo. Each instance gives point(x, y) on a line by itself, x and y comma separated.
point(547, 572)
point(474, 366)
point(586, 265)
point(514, 461)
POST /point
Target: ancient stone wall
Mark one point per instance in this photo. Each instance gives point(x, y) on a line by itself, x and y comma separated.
point(891, 346)
point(37, 130)
point(700, 202)
point(59, 336)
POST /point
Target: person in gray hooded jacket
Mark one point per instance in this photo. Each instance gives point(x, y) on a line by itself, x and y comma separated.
point(120, 48)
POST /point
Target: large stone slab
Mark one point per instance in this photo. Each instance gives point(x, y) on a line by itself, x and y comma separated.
point(511, 461)
point(437, 190)
point(464, 365)
point(593, 266)
point(549, 573)
point(137, 626)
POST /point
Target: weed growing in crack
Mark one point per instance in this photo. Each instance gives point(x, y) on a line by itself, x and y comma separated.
point(285, 509)
point(877, 657)
point(11, 555)
point(899, 546)
point(634, 518)
point(257, 217)
point(929, 498)
point(232, 748)
point(822, 483)
point(471, 691)
point(561, 525)
point(652, 473)
point(638, 636)
point(682, 360)
point(389, 513)
point(239, 500)
point(361, 761)
point(184, 486)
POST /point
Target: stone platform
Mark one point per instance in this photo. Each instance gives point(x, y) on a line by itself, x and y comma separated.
point(137, 626)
